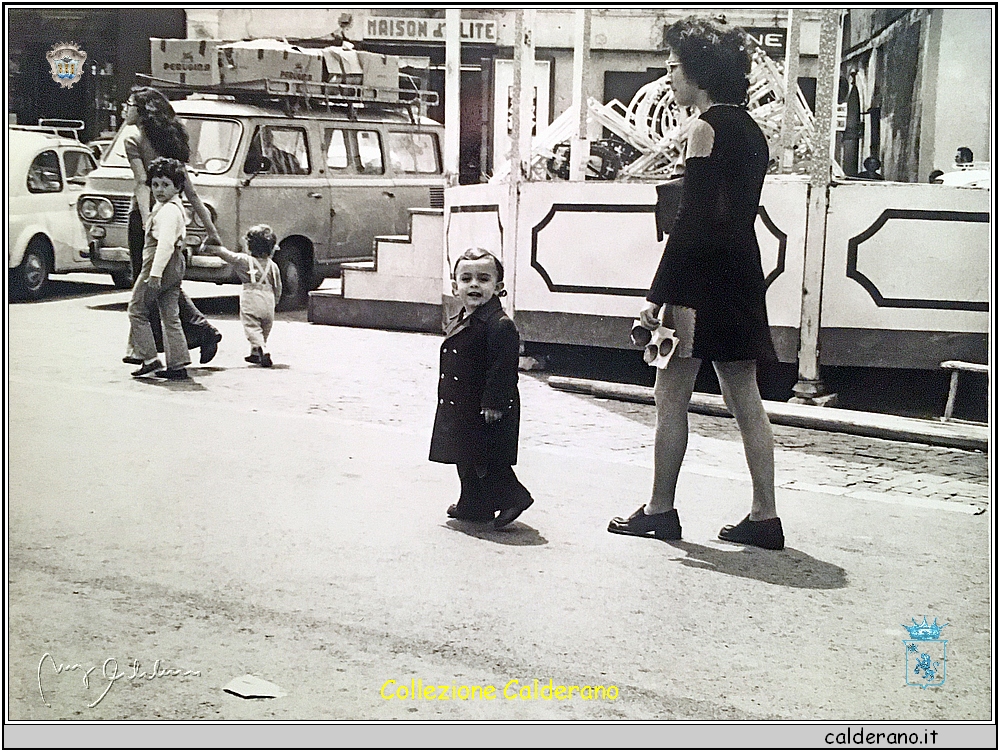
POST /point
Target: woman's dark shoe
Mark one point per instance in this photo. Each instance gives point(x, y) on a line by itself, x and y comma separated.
point(665, 526)
point(510, 514)
point(148, 368)
point(458, 514)
point(761, 533)
point(210, 346)
point(132, 361)
point(174, 374)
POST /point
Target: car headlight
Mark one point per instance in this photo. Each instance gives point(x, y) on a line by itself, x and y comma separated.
point(96, 209)
point(88, 208)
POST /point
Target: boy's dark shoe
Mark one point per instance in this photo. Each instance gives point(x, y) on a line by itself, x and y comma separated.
point(132, 361)
point(762, 533)
point(210, 346)
point(148, 368)
point(265, 360)
point(664, 526)
point(459, 514)
point(174, 374)
point(510, 514)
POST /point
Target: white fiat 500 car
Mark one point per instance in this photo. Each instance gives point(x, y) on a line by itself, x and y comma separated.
point(47, 174)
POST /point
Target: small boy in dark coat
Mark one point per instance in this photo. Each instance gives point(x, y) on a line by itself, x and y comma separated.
point(479, 410)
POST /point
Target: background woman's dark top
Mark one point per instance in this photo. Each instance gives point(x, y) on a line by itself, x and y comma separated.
point(711, 262)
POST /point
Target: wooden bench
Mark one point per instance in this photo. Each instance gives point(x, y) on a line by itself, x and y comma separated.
point(956, 367)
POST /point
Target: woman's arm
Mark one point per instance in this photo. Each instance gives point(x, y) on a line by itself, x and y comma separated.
point(142, 193)
point(200, 209)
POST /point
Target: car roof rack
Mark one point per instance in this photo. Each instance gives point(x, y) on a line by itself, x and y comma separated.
point(294, 96)
point(56, 127)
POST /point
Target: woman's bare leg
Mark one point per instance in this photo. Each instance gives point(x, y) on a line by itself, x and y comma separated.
point(738, 380)
point(672, 393)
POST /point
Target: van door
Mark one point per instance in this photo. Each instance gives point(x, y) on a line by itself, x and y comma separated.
point(292, 196)
point(415, 158)
point(362, 195)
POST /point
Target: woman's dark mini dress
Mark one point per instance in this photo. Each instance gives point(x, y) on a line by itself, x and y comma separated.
point(711, 262)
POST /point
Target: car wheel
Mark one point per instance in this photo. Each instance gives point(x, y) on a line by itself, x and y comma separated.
point(294, 279)
point(123, 279)
point(31, 278)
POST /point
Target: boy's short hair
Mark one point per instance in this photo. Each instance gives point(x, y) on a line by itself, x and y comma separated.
point(261, 241)
point(164, 167)
point(474, 254)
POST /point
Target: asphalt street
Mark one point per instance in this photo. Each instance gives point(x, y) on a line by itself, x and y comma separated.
point(285, 523)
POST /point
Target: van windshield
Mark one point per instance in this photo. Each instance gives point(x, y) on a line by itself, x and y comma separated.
point(213, 144)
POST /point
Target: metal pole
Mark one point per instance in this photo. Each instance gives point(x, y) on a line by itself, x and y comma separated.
point(810, 389)
point(529, 98)
point(579, 152)
point(452, 94)
point(791, 90)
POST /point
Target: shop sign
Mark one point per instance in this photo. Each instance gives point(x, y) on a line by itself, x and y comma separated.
point(770, 39)
point(428, 30)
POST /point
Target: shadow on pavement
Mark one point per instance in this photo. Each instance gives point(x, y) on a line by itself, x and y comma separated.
point(515, 534)
point(68, 289)
point(185, 385)
point(791, 568)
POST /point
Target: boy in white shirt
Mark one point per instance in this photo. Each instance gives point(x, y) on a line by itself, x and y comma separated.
point(159, 282)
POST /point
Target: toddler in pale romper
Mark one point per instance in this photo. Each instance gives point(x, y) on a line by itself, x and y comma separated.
point(261, 288)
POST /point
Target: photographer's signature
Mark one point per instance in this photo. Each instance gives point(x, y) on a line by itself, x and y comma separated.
point(108, 673)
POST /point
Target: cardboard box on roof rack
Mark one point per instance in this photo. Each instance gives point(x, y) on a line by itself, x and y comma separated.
point(381, 72)
point(241, 62)
point(185, 61)
point(342, 66)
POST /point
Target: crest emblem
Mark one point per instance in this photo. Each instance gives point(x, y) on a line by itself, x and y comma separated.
point(926, 654)
point(66, 60)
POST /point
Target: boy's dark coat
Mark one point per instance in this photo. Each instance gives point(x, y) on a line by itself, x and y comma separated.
point(478, 370)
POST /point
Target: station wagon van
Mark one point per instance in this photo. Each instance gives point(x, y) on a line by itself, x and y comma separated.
point(327, 181)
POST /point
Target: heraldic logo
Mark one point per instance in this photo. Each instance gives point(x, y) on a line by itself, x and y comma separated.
point(66, 60)
point(926, 654)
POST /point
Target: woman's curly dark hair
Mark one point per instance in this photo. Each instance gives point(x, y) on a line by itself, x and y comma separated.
point(714, 56)
point(164, 167)
point(160, 125)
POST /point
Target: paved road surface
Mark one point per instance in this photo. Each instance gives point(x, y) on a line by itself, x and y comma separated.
point(286, 523)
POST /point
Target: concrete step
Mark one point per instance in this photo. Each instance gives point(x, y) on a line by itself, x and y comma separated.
point(380, 286)
point(332, 309)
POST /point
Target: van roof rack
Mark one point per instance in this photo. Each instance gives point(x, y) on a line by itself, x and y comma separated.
point(296, 95)
point(55, 126)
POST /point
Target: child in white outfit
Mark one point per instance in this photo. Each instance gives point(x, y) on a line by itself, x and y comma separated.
point(261, 287)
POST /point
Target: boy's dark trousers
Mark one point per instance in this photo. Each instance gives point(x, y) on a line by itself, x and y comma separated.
point(487, 489)
point(197, 328)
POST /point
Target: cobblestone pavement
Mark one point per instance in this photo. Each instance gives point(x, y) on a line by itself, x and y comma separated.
point(804, 458)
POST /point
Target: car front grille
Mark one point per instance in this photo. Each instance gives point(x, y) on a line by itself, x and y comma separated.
point(437, 197)
point(122, 206)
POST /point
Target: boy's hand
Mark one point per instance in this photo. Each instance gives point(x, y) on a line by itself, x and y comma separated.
point(491, 416)
point(154, 284)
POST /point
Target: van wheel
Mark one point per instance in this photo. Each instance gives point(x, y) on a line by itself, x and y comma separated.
point(294, 279)
point(30, 280)
point(123, 279)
